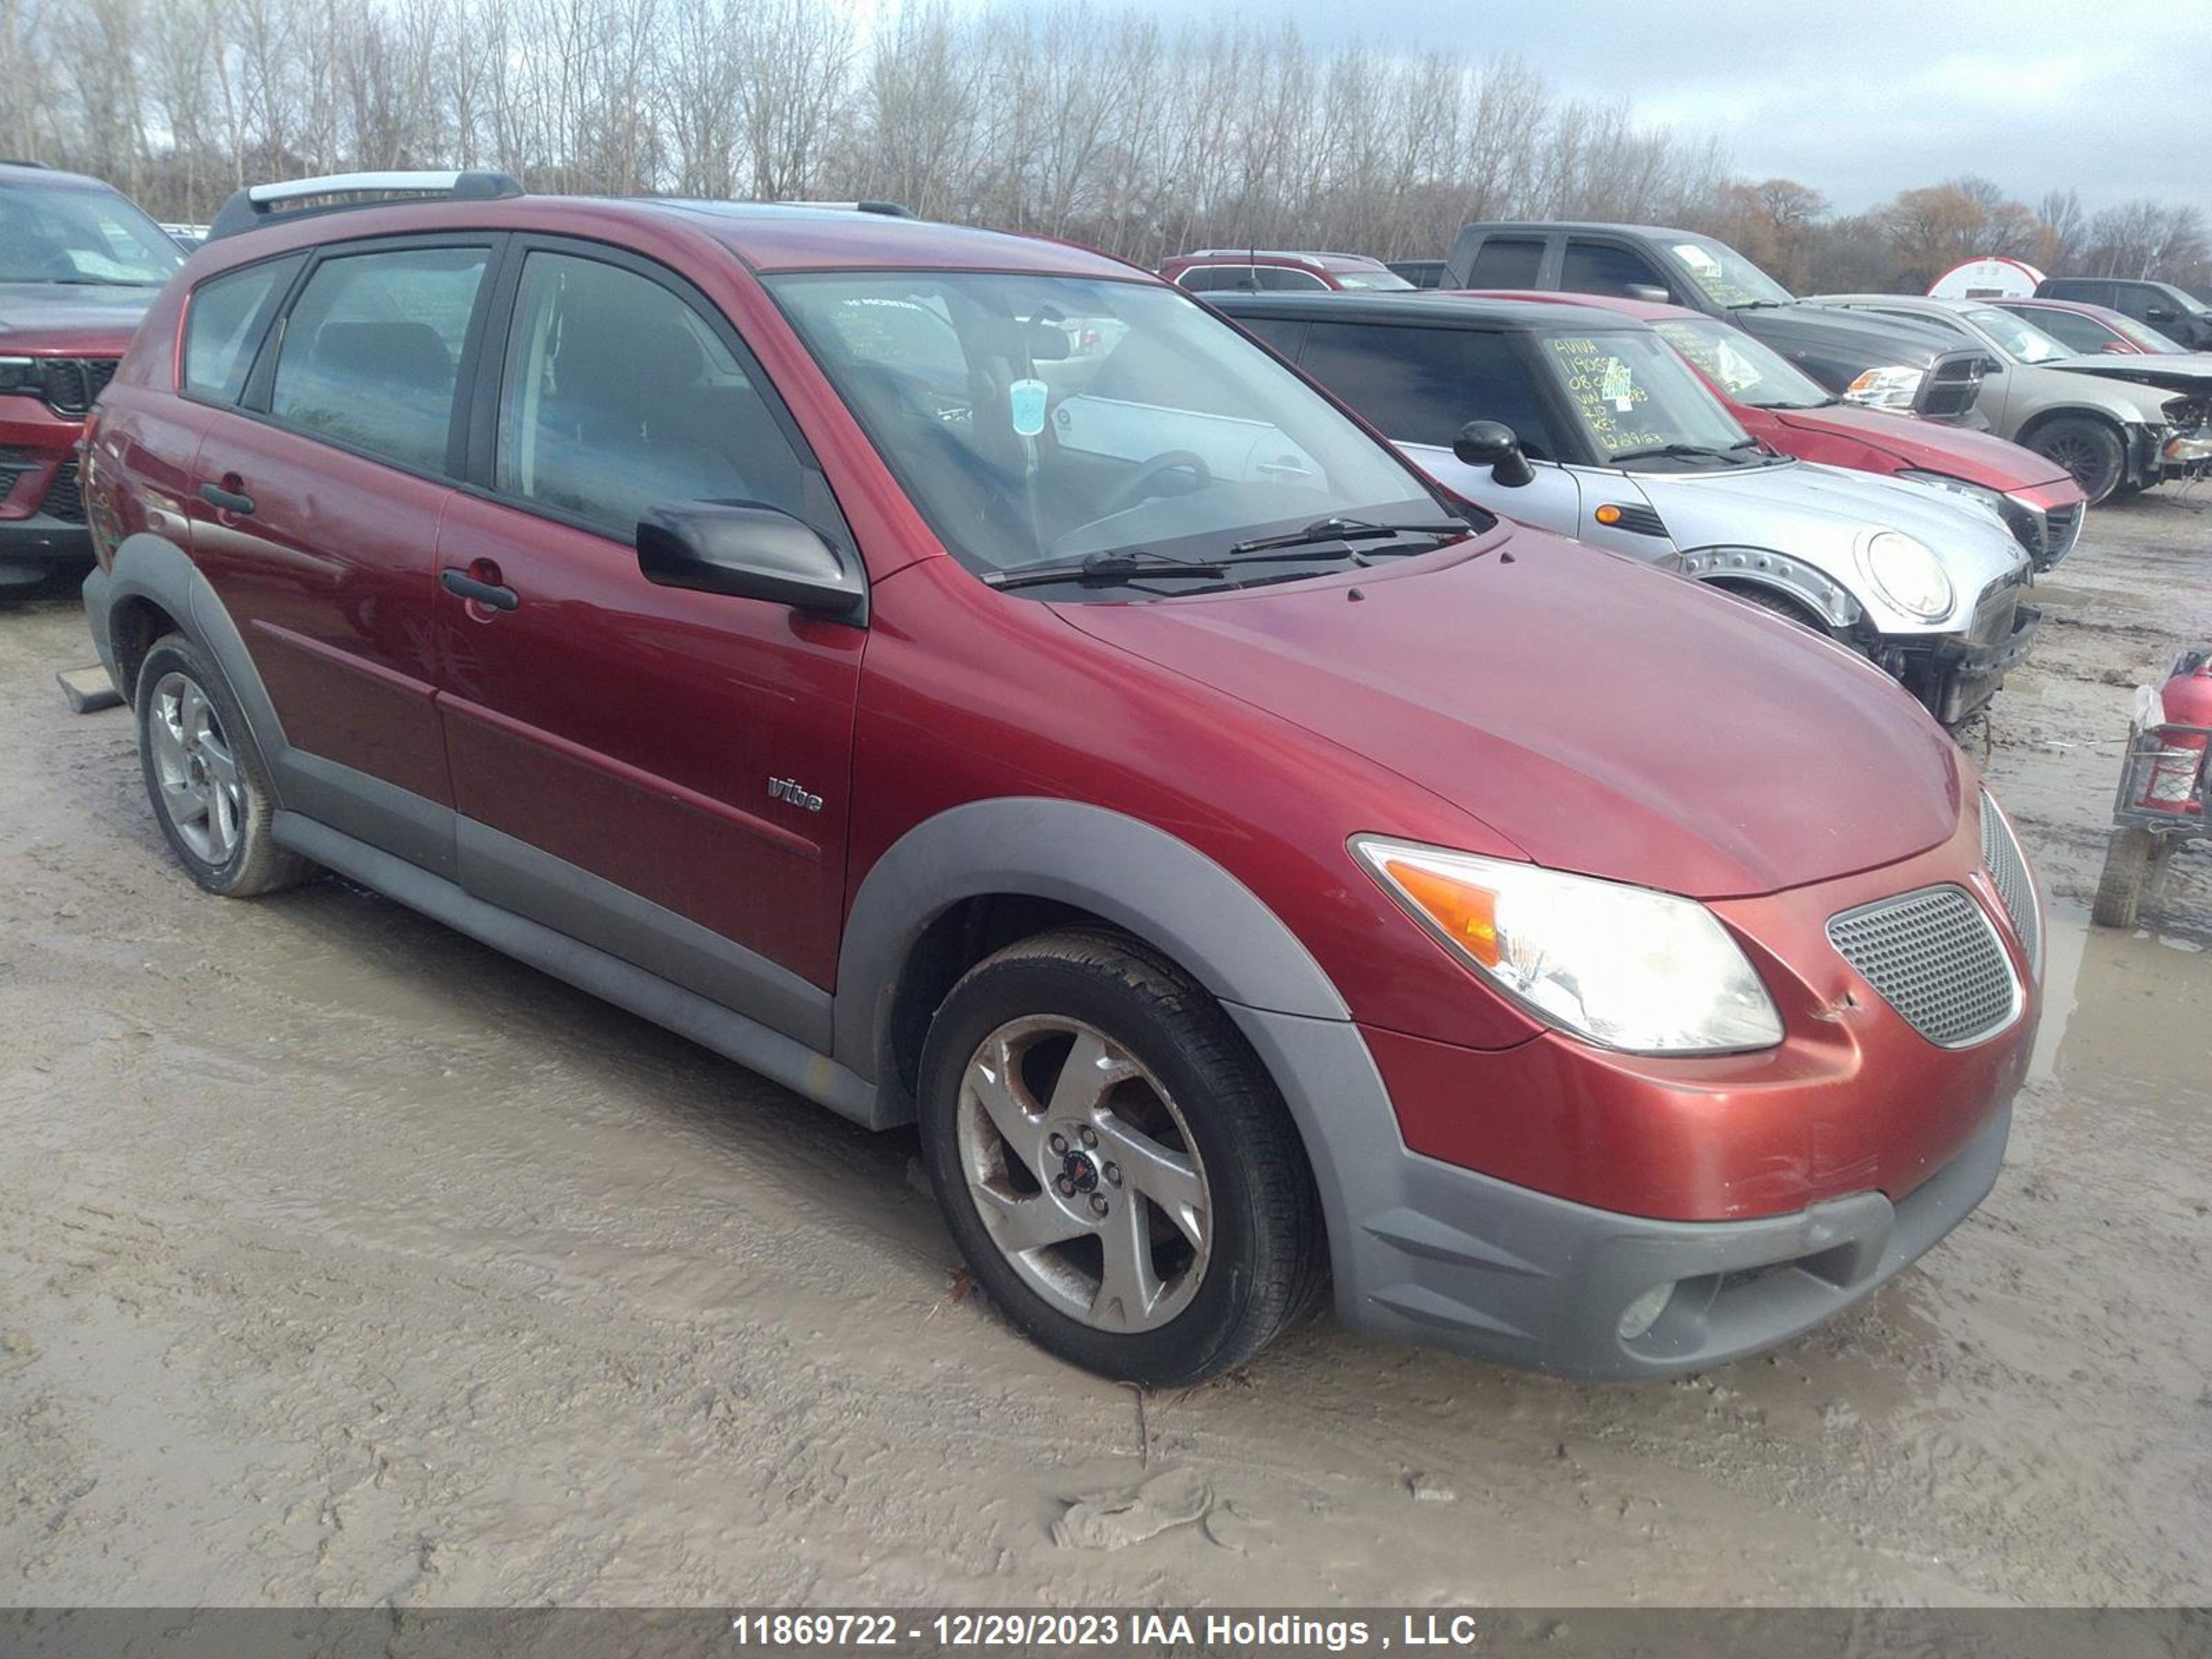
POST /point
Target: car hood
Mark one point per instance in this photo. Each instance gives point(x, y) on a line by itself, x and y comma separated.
point(57, 317)
point(2189, 372)
point(1817, 513)
point(1877, 341)
point(1976, 456)
point(1603, 716)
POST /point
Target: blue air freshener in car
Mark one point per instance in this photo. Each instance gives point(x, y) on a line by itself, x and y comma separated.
point(1026, 400)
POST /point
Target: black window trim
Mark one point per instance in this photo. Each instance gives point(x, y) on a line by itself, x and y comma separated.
point(479, 436)
point(253, 401)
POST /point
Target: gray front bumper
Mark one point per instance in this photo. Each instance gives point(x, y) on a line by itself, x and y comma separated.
point(1429, 1253)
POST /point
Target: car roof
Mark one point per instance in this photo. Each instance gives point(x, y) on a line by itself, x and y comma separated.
point(1427, 308)
point(1548, 225)
point(1234, 256)
point(35, 176)
point(1644, 311)
point(2044, 303)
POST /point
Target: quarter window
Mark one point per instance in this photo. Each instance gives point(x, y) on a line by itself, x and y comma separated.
point(618, 395)
point(228, 317)
point(371, 351)
point(1422, 384)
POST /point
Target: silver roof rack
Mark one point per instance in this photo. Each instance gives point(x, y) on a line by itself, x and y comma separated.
point(258, 205)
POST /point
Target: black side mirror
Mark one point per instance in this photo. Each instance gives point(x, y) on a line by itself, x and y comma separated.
point(1993, 366)
point(1493, 444)
point(2158, 314)
point(750, 552)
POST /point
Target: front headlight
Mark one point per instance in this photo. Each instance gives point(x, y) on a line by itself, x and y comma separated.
point(22, 377)
point(1906, 573)
point(1894, 387)
point(1623, 967)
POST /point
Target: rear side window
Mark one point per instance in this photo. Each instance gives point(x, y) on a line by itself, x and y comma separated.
point(1282, 277)
point(1216, 279)
point(225, 322)
point(1604, 268)
point(1506, 262)
point(1421, 385)
point(618, 395)
point(372, 350)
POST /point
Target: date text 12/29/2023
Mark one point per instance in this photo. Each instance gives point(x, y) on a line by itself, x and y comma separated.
point(1143, 1629)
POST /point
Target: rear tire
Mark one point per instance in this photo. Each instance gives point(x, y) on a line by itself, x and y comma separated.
point(203, 776)
point(2129, 854)
point(2088, 448)
point(1079, 1094)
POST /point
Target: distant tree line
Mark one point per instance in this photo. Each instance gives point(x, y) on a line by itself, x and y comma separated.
point(1108, 127)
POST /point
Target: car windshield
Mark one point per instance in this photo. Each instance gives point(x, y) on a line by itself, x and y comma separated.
point(2019, 340)
point(1639, 404)
point(95, 238)
point(1725, 277)
point(1749, 370)
point(1369, 279)
point(1040, 419)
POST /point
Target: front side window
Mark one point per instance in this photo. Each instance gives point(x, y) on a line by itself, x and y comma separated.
point(1420, 386)
point(1724, 276)
point(618, 395)
point(2072, 329)
point(1284, 279)
point(2019, 340)
point(1603, 268)
point(1749, 370)
point(1372, 281)
point(225, 322)
point(1087, 416)
point(372, 350)
point(81, 238)
point(1637, 402)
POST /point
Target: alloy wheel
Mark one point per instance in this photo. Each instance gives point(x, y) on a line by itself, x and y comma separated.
point(1083, 1173)
point(201, 788)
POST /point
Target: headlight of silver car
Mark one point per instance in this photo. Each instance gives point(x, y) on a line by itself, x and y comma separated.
point(1907, 573)
point(1894, 387)
point(1623, 967)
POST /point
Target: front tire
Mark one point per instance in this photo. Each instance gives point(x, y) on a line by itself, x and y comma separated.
point(2129, 854)
point(1117, 1168)
point(2089, 449)
point(204, 777)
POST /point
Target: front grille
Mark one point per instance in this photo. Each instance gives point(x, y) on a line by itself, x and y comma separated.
point(1951, 387)
point(1995, 611)
point(2062, 529)
point(2008, 871)
point(1934, 956)
point(64, 501)
point(72, 383)
point(14, 464)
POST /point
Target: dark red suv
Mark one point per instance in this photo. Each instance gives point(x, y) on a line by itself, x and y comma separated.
point(79, 264)
point(963, 678)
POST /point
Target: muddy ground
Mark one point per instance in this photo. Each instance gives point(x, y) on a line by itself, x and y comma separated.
point(343, 1261)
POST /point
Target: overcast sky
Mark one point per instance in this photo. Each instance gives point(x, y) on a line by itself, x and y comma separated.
point(1859, 98)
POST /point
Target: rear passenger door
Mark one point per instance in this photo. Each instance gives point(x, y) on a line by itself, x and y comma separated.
point(614, 742)
point(315, 514)
point(1421, 385)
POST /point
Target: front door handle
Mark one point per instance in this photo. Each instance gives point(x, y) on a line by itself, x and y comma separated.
point(230, 501)
point(490, 595)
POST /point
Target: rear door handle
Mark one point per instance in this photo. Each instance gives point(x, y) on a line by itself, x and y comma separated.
point(491, 595)
point(230, 501)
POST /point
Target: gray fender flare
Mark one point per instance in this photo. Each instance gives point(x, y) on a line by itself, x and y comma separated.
point(1132, 874)
point(1811, 587)
point(153, 567)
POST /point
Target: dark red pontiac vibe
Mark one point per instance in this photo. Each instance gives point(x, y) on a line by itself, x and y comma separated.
point(959, 677)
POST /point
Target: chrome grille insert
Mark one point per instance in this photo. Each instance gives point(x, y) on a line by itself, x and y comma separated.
point(1934, 956)
point(2008, 871)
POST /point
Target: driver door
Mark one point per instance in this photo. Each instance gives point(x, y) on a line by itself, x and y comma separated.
point(614, 743)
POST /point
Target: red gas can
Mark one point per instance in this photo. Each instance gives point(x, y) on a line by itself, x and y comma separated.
point(2172, 784)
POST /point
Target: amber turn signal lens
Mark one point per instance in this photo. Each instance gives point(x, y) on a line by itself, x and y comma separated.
point(1468, 915)
point(1608, 514)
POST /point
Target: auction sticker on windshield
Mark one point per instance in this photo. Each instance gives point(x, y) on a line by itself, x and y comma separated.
point(1602, 388)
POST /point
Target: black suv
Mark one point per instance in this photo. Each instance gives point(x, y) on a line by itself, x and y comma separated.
point(2167, 308)
point(1884, 361)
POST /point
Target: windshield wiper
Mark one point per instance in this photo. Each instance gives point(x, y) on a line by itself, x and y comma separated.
point(1692, 450)
point(1103, 570)
point(1347, 530)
